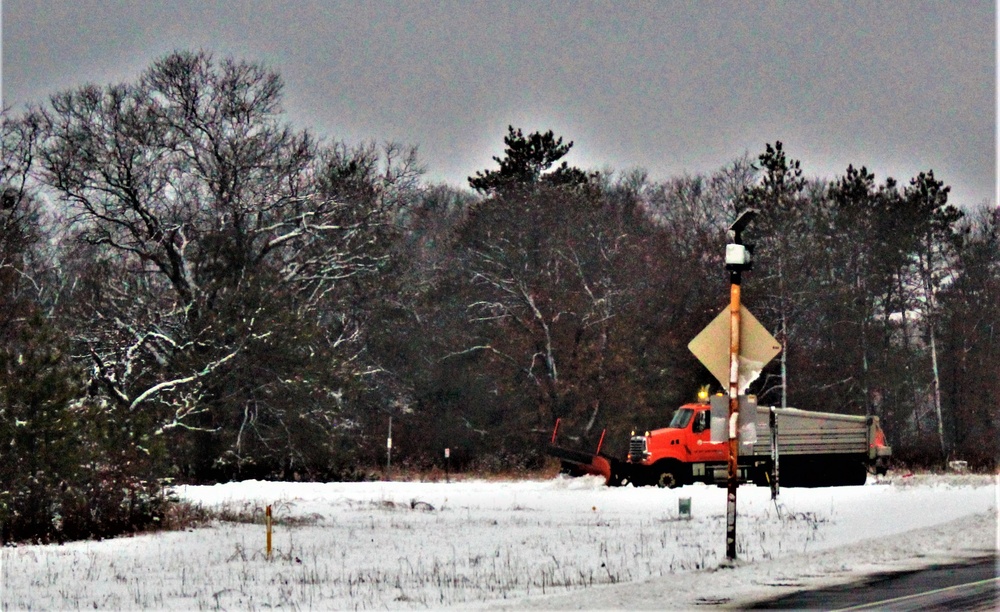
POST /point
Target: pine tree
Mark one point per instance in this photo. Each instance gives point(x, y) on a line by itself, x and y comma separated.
point(528, 161)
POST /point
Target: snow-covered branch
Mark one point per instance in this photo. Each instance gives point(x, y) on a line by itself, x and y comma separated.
point(170, 384)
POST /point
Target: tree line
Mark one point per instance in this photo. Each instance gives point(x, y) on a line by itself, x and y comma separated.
point(193, 289)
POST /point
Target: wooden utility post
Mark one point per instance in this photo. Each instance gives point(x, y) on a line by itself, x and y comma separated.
point(267, 523)
point(737, 260)
point(736, 363)
point(734, 412)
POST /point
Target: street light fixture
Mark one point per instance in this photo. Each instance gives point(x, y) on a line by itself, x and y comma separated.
point(739, 256)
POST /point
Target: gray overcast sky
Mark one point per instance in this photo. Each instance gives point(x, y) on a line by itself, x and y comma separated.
point(672, 87)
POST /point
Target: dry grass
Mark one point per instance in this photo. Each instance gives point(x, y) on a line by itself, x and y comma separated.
point(436, 474)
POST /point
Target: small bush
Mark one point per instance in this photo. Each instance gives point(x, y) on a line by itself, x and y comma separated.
point(59, 512)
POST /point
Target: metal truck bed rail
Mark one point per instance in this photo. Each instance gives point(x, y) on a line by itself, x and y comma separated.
point(802, 432)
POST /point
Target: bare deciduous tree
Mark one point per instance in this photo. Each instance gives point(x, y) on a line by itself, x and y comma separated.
point(219, 228)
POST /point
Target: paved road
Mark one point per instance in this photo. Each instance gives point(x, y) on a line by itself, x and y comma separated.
point(968, 586)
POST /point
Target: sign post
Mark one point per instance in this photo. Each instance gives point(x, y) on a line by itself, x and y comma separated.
point(267, 521)
point(735, 347)
point(734, 409)
point(388, 451)
point(737, 260)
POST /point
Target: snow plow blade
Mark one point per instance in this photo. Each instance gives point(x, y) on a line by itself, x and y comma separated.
point(580, 463)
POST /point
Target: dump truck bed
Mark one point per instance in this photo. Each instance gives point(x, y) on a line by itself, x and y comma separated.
point(802, 432)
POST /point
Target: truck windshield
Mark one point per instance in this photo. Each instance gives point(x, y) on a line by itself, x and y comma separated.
point(681, 418)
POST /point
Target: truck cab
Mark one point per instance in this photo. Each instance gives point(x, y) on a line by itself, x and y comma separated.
point(677, 453)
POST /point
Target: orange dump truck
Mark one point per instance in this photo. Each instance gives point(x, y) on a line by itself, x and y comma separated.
point(799, 448)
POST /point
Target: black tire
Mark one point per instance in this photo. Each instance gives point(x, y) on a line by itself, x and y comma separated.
point(857, 474)
point(667, 480)
point(845, 473)
point(668, 477)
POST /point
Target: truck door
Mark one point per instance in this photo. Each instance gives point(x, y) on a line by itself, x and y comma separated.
point(700, 445)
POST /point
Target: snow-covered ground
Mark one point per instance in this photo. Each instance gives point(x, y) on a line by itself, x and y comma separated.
point(560, 543)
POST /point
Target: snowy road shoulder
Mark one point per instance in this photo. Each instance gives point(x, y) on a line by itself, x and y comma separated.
point(969, 537)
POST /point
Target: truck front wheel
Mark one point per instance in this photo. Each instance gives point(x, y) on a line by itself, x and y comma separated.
point(668, 476)
point(667, 480)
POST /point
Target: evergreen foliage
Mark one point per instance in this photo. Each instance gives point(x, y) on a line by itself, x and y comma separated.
point(528, 161)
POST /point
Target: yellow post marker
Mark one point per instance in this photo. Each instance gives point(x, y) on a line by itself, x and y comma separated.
point(267, 522)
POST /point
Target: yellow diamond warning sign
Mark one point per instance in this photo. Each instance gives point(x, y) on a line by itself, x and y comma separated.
point(757, 348)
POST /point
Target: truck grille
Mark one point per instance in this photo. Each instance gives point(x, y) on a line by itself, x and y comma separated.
point(637, 448)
